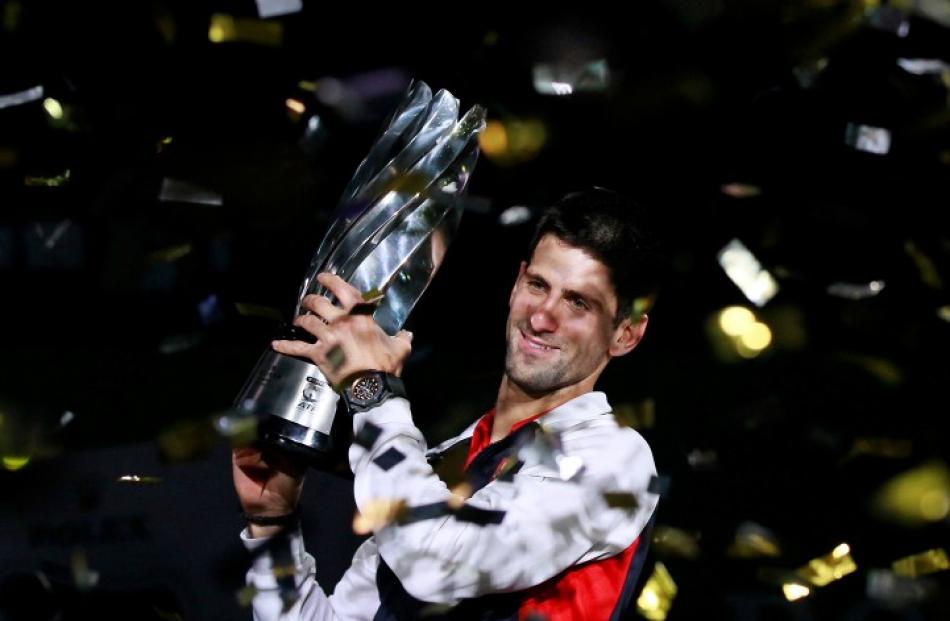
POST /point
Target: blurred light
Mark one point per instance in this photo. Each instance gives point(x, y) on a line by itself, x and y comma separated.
point(512, 141)
point(841, 551)
point(944, 313)
point(917, 496)
point(53, 108)
point(516, 214)
point(163, 144)
point(175, 190)
point(66, 418)
point(295, 105)
point(15, 462)
point(307, 85)
point(795, 591)
point(746, 272)
point(83, 577)
point(21, 97)
point(494, 139)
point(736, 320)
point(934, 505)
point(895, 590)
point(869, 139)
point(741, 190)
point(273, 8)
point(756, 338)
point(567, 78)
point(807, 73)
point(856, 291)
point(657, 595)
point(699, 458)
point(48, 182)
point(923, 66)
point(921, 564)
point(889, 19)
point(140, 479)
point(824, 570)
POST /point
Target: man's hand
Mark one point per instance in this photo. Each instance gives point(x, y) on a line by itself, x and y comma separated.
point(346, 344)
point(266, 484)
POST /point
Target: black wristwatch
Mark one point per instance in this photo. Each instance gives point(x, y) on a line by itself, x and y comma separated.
point(370, 389)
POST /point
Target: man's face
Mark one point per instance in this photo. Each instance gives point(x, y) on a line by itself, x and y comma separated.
point(560, 320)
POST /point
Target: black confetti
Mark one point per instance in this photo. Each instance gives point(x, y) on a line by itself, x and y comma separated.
point(389, 458)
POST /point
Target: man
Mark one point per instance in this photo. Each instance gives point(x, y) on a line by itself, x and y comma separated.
point(558, 522)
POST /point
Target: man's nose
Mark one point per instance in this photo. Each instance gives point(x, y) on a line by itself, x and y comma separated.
point(543, 318)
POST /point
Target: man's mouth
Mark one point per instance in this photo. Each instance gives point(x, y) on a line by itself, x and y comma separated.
point(534, 344)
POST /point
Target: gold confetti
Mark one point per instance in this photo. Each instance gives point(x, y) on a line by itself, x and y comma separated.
point(460, 493)
point(620, 500)
point(377, 514)
point(48, 182)
point(15, 462)
point(917, 496)
point(794, 591)
point(139, 479)
point(826, 569)
point(336, 357)
point(170, 254)
point(925, 266)
point(671, 541)
point(741, 190)
point(83, 577)
point(639, 415)
point(245, 596)
point(283, 571)
point(241, 427)
point(228, 29)
point(882, 447)
point(753, 541)
point(8, 157)
point(921, 564)
point(258, 310)
point(657, 595)
point(186, 441)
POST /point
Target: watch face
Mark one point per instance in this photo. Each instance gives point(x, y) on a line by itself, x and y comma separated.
point(366, 388)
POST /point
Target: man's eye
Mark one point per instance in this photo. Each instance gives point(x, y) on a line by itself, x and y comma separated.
point(534, 284)
point(579, 304)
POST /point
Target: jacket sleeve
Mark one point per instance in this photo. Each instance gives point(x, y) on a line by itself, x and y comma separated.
point(547, 526)
point(354, 599)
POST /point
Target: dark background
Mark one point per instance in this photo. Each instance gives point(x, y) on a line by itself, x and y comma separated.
point(124, 309)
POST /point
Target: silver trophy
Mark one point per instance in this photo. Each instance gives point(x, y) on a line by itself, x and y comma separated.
point(388, 237)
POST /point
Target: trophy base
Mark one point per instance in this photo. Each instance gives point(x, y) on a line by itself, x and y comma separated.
point(305, 444)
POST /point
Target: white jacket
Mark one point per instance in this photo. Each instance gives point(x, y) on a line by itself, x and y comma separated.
point(549, 524)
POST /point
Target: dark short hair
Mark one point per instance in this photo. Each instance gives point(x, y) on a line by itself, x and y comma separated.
point(616, 232)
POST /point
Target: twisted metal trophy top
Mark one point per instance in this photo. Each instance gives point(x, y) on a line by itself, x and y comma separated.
point(400, 210)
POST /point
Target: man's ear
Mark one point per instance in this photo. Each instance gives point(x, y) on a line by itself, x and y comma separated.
point(628, 335)
point(511, 298)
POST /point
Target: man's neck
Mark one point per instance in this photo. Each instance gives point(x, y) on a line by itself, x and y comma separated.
point(514, 404)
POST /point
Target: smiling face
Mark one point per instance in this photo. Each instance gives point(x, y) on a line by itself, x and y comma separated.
point(561, 322)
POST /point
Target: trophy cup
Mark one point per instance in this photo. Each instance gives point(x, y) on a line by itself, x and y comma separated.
point(387, 237)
